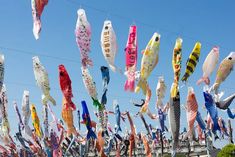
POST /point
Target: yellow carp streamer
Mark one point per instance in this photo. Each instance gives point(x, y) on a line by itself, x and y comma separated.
point(35, 121)
point(176, 64)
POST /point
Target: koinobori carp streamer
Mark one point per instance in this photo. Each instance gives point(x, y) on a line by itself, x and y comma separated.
point(131, 58)
point(109, 45)
point(148, 62)
point(42, 81)
point(66, 87)
point(191, 108)
point(192, 61)
point(209, 65)
point(83, 37)
point(176, 65)
point(37, 9)
point(225, 68)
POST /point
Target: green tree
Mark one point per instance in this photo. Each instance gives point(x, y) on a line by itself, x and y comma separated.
point(227, 151)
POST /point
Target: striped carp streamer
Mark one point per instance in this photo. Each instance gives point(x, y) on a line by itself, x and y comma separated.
point(176, 64)
point(37, 9)
point(131, 59)
point(192, 61)
point(191, 110)
point(83, 37)
point(148, 62)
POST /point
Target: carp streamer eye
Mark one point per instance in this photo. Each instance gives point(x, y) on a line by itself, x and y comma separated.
point(157, 38)
point(230, 58)
point(106, 27)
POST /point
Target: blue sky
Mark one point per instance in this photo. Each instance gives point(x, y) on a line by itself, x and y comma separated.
point(210, 22)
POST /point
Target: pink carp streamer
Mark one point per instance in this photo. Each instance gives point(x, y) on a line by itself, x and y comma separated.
point(83, 37)
point(131, 59)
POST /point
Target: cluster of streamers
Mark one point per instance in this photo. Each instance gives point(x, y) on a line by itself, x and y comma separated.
point(132, 134)
point(109, 45)
point(83, 37)
point(55, 144)
point(54, 140)
point(148, 62)
point(160, 91)
point(131, 58)
point(37, 9)
point(225, 68)
point(42, 81)
point(209, 65)
point(176, 65)
point(67, 115)
point(191, 111)
point(192, 61)
point(66, 87)
point(54, 119)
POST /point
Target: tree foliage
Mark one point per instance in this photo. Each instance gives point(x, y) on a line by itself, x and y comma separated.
point(227, 151)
